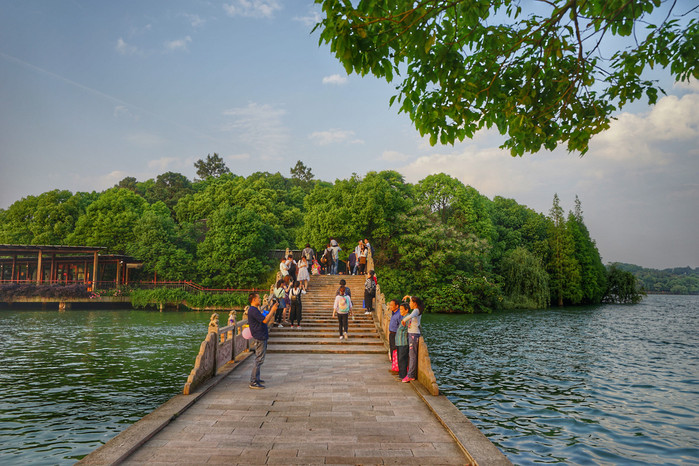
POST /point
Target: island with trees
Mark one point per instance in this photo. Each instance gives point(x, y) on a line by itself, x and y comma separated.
point(437, 238)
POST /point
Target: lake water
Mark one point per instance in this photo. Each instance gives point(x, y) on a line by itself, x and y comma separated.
point(609, 384)
point(73, 380)
point(598, 385)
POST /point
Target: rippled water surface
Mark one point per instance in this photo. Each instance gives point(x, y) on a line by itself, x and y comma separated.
point(73, 380)
point(598, 385)
point(601, 385)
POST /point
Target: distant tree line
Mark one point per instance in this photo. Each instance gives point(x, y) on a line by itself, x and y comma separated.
point(678, 280)
point(438, 238)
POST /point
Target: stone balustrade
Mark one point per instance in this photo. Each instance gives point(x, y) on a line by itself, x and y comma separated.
point(221, 345)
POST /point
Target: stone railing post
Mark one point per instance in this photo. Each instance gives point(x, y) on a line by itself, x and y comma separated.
point(205, 363)
point(369, 262)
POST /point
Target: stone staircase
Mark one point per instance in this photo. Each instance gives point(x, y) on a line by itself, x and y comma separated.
point(319, 330)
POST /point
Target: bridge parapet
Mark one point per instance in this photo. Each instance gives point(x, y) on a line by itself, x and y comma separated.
point(221, 346)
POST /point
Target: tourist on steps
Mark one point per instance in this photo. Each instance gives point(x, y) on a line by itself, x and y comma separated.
point(283, 268)
point(369, 292)
point(279, 297)
point(402, 343)
point(296, 307)
point(260, 334)
point(335, 248)
point(413, 322)
point(343, 283)
point(304, 276)
point(343, 309)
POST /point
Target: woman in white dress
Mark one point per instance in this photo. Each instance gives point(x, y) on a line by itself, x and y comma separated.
point(303, 276)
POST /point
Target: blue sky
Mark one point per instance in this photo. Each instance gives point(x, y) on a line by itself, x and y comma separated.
point(92, 92)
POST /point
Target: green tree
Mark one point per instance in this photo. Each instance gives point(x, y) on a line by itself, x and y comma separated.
point(526, 283)
point(622, 287)
point(128, 182)
point(158, 242)
point(110, 221)
point(432, 254)
point(45, 219)
point(544, 73)
point(301, 173)
point(356, 208)
point(439, 192)
point(517, 226)
point(169, 188)
point(563, 269)
point(593, 274)
point(15, 227)
point(235, 251)
point(212, 166)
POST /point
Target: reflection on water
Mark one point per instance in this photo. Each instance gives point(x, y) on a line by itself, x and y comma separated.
point(72, 380)
point(608, 384)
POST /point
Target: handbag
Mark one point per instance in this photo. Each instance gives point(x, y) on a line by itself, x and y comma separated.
point(394, 362)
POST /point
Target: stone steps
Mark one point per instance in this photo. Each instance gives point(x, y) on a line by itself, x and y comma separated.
point(343, 347)
point(319, 330)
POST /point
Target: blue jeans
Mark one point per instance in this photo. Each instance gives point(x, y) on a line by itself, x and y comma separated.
point(260, 352)
point(333, 270)
point(413, 341)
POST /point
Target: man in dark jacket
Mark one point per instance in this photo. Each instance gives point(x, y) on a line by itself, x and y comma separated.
point(260, 333)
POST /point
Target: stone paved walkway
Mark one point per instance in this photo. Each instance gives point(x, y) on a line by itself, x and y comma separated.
point(316, 409)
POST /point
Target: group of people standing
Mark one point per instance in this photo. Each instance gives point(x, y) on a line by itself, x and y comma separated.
point(404, 332)
point(357, 260)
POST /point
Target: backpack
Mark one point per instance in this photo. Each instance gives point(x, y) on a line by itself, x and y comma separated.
point(344, 304)
point(370, 285)
point(292, 268)
point(308, 252)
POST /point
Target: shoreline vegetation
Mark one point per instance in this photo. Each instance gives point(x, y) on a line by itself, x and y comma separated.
point(438, 238)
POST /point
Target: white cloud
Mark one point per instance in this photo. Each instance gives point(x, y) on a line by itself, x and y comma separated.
point(125, 49)
point(692, 85)
point(334, 136)
point(122, 111)
point(111, 179)
point(260, 127)
point(195, 20)
point(252, 8)
point(394, 156)
point(335, 79)
point(311, 19)
point(648, 138)
point(163, 164)
point(179, 44)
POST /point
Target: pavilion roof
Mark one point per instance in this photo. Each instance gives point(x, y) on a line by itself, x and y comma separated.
point(9, 249)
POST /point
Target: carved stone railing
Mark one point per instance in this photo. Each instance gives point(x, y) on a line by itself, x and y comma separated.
point(425, 375)
point(220, 346)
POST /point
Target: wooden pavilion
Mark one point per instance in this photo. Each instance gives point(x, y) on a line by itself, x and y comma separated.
point(64, 265)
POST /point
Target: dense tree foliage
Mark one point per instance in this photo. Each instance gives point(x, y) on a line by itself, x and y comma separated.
point(213, 165)
point(622, 287)
point(543, 73)
point(678, 280)
point(438, 238)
